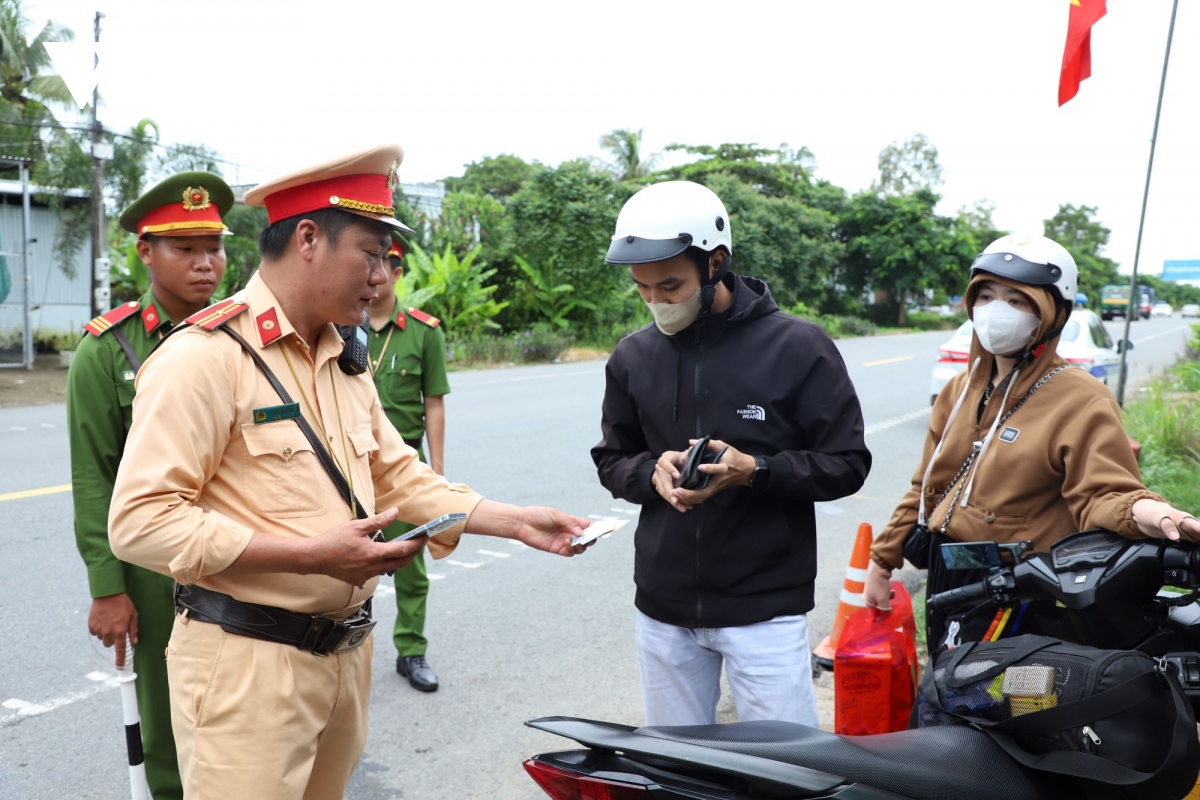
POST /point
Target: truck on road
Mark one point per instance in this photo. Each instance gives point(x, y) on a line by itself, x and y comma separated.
point(1114, 301)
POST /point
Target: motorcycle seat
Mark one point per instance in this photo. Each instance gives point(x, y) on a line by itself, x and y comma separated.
point(950, 762)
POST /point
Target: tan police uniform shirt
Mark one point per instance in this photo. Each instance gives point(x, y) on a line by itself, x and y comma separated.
point(199, 476)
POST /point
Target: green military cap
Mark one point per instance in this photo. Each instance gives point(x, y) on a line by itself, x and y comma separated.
point(187, 204)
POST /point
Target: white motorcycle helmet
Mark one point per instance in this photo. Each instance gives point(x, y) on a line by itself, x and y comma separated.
point(1033, 260)
point(665, 219)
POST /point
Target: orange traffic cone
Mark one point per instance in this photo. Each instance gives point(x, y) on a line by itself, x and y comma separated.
point(851, 599)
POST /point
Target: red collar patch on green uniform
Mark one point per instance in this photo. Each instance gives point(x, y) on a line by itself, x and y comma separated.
point(108, 319)
point(218, 314)
point(150, 318)
point(421, 316)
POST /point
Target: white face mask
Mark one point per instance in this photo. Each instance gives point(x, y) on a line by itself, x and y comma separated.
point(671, 318)
point(1003, 329)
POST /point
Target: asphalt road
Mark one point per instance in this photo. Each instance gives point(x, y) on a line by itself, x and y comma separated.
point(514, 634)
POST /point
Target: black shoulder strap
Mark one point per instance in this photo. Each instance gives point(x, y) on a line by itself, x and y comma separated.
point(1094, 767)
point(318, 446)
point(134, 361)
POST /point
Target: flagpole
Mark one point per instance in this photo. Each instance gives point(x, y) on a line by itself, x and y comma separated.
point(1137, 253)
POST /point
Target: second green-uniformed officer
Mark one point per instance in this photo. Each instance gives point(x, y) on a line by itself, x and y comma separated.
point(179, 229)
point(408, 361)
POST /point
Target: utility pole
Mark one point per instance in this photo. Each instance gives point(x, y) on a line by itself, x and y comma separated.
point(101, 293)
point(1134, 293)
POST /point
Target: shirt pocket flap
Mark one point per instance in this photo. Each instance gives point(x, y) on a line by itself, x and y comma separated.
point(363, 440)
point(283, 440)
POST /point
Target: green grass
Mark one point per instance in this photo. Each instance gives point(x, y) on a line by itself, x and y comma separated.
point(1166, 421)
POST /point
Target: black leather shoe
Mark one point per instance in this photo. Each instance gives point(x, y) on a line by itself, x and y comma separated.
point(420, 675)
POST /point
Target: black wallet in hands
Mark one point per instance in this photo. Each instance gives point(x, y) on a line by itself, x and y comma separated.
point(690, 477)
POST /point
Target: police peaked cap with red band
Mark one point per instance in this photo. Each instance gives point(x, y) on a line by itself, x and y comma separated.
point(360, 183)
point(397, 247)
point(187, 204)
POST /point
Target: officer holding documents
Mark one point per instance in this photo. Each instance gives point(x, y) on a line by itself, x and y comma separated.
point(179, 230)
point(259, 469)
point(408, 363)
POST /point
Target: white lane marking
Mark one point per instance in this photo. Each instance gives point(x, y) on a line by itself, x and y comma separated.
point(494, 554)
point(46, 425)
point(595, 516)
point(97, 676)
point(435, 576)
point(23, 709)
point(515, 543)
point(463, 564)
point(894, 421)
point(632, 511)
point(1157, 335)
point(533, 378)
point(19, 428)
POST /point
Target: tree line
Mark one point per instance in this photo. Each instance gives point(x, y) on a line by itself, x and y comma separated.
point(520, 245)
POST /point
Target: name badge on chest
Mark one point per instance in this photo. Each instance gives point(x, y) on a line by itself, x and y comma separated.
point(276, 413)
point(1009, 435)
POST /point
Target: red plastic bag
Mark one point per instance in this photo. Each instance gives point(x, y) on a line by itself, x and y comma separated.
point(875, 669)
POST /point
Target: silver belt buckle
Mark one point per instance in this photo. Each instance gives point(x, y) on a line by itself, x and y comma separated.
point(356, 634)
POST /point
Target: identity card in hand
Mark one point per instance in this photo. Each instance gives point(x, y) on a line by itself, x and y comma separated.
point(601, 527)
point(434, 526)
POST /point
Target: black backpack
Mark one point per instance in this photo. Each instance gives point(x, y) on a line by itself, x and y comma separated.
point(1114, 719)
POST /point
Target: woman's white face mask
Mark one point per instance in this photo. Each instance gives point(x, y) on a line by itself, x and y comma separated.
point(671, 318)
point(1002, 329)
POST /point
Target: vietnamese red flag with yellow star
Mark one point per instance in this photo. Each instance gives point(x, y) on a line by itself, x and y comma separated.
point(1077, 56)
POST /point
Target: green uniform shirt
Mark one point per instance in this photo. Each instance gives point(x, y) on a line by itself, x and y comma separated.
point(410, 368)
point(99, 413)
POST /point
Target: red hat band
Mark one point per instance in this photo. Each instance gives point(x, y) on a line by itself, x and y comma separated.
point(177, 217)
point(362, 193)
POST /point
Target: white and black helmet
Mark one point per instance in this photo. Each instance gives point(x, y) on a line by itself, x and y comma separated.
point(1034, 260)
point(665, 219)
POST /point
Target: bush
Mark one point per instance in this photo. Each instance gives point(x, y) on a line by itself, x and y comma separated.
point(837, 326)
point(925, 321)
point(540, 344)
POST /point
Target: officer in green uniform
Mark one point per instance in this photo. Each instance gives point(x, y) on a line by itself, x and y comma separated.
point(179, 229)
point(408, 362)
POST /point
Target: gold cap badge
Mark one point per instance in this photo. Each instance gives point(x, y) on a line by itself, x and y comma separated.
point(195, 198)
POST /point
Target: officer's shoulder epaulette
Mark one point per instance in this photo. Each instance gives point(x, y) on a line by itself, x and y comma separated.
point(421, 316)
point(110, 318)
point(218, 314)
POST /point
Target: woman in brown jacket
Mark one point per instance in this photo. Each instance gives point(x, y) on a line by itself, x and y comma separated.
point(1021, 445)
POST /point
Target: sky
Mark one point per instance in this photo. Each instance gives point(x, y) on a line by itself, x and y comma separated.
point(275, 86)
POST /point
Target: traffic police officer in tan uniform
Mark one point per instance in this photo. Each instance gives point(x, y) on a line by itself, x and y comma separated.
point(264, 508)
point(408, 362)
point(179, 230)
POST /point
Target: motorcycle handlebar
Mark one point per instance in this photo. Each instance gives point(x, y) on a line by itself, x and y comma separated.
point(959, 596)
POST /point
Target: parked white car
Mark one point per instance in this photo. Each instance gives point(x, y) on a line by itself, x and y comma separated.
point(1085, 342)
point(1190, 310)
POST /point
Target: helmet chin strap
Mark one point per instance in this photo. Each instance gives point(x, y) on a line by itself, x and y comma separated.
point(1034, 350)
point(708, 290)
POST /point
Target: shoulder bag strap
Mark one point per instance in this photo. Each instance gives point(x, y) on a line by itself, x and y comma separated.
point(134, 361)
point(1094, 767)
point(318, 446)
point(1025, 647)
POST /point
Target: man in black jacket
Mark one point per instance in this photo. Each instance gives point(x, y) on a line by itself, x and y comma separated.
point(724, 570)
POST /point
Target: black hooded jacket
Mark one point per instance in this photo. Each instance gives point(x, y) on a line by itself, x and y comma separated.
point(768, 384)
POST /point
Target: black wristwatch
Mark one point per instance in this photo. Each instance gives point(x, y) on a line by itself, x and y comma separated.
point(761, 475)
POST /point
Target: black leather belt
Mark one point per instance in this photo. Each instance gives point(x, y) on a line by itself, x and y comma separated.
point(415, 444)
point(315, 633)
